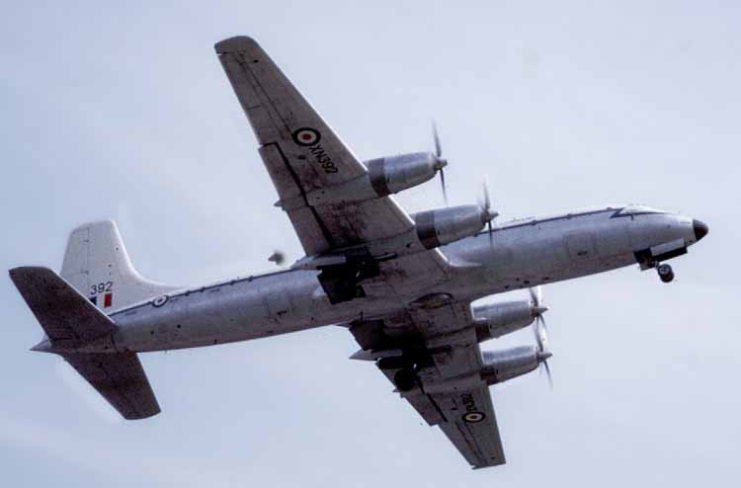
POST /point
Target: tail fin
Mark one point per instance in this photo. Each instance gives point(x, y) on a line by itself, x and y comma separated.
point(97, 265)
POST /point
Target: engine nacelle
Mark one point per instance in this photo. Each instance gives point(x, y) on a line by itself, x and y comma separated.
point(444, 225)
point(500, 366)
point(385, 176)
point(498, 319)
point(396, 173)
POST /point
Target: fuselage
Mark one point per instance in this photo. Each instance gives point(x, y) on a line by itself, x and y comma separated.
point(518, 254)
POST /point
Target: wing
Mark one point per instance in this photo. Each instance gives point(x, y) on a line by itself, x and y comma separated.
point(446, 387)
point(306, 160)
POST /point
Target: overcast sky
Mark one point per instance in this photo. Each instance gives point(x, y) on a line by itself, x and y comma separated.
point(121, 110)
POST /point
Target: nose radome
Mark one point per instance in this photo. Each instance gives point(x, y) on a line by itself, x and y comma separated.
point(700, 228)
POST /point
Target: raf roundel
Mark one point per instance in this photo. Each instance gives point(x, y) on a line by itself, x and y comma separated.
point(306, 136)
point(474, 417)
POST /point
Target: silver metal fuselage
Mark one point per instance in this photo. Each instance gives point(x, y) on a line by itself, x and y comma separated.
point(520, 254)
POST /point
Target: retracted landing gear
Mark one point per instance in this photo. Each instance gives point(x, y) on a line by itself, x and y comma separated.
point(405, 379)
point(405, 370)
point(666, 273)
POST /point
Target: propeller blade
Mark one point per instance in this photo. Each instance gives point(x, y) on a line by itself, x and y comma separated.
point(445, 189)
point(541, 337)
point(536, 295)
point(487, 199)
point(540, 331)
point(436, 137)
point(488, 215)
point(440, 163)
point(548, 373)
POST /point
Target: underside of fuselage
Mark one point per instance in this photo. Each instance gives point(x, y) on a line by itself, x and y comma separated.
point(518, 254)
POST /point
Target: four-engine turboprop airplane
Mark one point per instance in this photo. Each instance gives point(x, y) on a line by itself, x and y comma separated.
point(402, 284)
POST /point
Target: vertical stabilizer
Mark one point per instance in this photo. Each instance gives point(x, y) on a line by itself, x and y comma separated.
point(97, 265)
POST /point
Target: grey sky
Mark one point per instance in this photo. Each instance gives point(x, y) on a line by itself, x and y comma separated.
point(123, 111)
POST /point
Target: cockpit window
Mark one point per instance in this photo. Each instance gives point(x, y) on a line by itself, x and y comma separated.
point(638, 210)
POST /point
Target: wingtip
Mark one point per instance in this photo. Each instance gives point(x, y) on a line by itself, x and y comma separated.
point(233, 44)
point(19, 271)
point(142, 415)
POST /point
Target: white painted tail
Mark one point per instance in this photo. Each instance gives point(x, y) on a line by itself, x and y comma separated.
point(97, 265)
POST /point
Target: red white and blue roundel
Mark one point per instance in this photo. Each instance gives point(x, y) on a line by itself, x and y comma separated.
point(473, 417)
point(306, 136)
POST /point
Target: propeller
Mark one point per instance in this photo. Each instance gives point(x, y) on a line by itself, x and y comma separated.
point(487, 215)
point(536, 297)
point(543, 352)
point(547, 369)
point(440, 162)
point(539, 329)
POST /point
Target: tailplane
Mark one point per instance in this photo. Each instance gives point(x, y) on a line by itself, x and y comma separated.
point(73, 309)
point(71, 323)
point(96, 264)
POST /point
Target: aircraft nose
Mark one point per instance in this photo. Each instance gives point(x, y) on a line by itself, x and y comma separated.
point(700, 228)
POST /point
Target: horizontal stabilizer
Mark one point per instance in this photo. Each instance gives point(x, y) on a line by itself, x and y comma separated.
point(70, 321)
point(120, 379)
point(68, 318)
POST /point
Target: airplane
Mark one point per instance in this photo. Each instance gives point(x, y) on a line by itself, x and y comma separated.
point(402, 284)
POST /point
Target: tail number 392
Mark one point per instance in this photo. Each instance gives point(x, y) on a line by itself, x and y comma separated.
point(102, 287)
